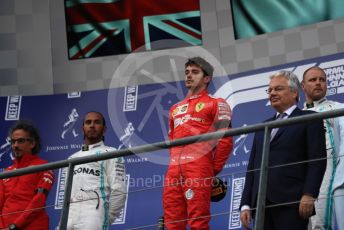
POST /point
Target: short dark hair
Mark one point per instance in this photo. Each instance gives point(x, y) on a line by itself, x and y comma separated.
point(30, 128)
point(207, 68)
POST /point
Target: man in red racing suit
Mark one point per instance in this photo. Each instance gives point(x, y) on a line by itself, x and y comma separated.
point(188, 180)
point(23, 198)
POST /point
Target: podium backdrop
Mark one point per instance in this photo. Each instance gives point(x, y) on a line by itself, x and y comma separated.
point(137, 115)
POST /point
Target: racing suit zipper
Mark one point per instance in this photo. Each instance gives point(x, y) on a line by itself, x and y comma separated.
point(180, 169)
point(182, 178)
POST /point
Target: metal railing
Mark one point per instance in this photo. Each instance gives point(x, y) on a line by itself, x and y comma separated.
point(267, 127)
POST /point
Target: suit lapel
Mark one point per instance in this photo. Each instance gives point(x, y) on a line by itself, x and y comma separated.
point(280, 131)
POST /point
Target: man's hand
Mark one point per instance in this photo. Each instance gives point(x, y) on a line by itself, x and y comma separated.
point(245, 217)
point(306, 206)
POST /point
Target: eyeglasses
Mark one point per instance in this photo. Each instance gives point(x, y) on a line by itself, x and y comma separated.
point(20, 140)
point(277, 89)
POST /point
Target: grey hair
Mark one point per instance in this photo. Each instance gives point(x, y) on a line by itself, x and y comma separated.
point(293, 81)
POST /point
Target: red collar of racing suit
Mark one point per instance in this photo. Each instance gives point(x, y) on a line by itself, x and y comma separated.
point(25, 160)
point(202, 93)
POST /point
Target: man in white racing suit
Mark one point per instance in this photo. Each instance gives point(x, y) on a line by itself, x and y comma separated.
point(99, 188)
point(314, 84)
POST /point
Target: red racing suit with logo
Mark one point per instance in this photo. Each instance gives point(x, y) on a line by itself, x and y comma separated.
point(187, 189)
point(25, 196)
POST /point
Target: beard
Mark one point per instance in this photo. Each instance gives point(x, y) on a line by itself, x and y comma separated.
point(92, 138)
point(318, 95)
point(17, 153)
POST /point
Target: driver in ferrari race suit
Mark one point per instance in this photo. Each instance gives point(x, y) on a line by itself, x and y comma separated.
point(187, 187)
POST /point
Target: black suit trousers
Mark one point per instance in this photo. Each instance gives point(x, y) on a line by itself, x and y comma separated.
point(284, 218)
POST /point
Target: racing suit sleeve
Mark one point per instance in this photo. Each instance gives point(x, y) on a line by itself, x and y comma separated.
point(222, 121)
point(116, 177)
point(2, 200)
point(339, 145)
point(45, 182)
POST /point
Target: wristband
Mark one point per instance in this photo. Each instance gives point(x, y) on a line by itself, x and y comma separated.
point(42, 190)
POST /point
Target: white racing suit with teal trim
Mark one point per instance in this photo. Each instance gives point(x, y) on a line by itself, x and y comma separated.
point(324, 204)
point(99, 191)
point(338, 183)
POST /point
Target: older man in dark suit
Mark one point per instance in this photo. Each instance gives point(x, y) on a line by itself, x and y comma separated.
point(289, 144)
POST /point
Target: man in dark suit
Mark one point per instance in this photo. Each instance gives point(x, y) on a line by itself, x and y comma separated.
point(296, 185)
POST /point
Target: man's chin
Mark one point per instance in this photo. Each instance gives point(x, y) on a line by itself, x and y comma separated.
point(276, 106)
point(94, 139)
point(317, 97)
point(17, 155)
point(92, 136)
point(274, 103)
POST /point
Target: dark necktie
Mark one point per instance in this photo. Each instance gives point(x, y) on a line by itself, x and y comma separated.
point(274, 131)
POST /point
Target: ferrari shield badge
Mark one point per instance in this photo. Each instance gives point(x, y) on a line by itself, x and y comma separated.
point(199, 106)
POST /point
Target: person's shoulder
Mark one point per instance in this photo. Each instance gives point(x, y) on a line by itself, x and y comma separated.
point(76, 154)
point(317, 122)
point(328, 105)
point(42, 161)
point(270, 118)
point(109, 148)
point(38, 161)
point(219, 100)
point(307, 111)
point(174, 106)
point(337, 105)
point(178, 103)
point(9, 168)
point(215, 98)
